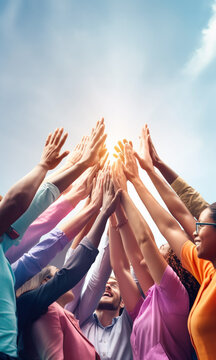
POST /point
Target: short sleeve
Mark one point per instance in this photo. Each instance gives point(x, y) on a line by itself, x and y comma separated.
point(199, 268)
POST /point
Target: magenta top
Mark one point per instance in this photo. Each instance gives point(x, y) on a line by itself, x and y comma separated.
point(160, 322)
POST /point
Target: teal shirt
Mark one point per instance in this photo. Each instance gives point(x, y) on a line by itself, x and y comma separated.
point(8, 321)
point(46, 194)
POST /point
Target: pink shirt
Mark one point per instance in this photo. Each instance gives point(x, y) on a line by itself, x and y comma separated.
point(56, 335)
point(160, 322)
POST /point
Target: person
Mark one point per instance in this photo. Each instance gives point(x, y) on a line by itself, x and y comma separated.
point(33, 303)
point(159, 320)
point(199, 258)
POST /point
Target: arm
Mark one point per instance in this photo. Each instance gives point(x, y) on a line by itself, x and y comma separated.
point(94, 288)
point(19, 197)
point(174, 204)
point(154, 261)
point(167, 225)
point(52, 216)
point(130, 242)
point(89, 156)
point(190, 197)
point(119, 262)
point(136, 225)
point(34, 303)
point(39, 256)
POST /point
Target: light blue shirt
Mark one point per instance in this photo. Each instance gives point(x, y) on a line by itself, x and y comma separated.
point(111, 342)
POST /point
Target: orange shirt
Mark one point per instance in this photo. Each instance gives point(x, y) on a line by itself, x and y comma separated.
point(202, 318)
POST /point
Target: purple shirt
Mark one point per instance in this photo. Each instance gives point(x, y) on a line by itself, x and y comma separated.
point(160, 322)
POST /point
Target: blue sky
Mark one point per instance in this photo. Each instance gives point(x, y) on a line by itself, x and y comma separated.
point(68, 63)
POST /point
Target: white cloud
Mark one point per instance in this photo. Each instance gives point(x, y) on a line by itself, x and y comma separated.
point(206, 53)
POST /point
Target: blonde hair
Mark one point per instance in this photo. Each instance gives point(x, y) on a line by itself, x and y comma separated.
point(36, 280)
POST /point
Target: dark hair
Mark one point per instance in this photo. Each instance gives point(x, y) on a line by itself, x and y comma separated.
point(212, 208)
point(190, 283)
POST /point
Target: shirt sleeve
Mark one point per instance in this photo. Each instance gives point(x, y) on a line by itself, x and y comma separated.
point(39, 256)
point(189, 196)
point(95, 285)
point(34, 303)
point(199, 268)
point(42, 225)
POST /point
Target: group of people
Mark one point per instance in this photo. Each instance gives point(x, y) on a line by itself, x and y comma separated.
point(137, 301)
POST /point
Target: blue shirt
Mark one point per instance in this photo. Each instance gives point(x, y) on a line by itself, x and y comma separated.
point(111, 342)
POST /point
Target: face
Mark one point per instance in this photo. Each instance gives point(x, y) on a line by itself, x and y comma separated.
point(206, 239)
point(111, 298)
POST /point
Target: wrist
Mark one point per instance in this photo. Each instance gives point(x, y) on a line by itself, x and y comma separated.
point(43, 166)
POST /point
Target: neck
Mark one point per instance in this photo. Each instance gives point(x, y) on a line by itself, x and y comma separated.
point(105, 316)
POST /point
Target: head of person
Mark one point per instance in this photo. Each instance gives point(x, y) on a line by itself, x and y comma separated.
point(41, 278)
point(205, 234)
point(111, 298)
point(189, 282)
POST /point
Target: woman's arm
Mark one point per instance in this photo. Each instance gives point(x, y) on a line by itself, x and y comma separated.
point(167, 225)
point(19, 197)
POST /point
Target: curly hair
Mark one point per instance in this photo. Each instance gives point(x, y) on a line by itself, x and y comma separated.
point(190, 283)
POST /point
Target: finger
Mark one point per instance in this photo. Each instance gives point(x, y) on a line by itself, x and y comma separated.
point(117, 149)
point(53, 136)
point(58, 136)
point(115, 156)
point(131, 144)
point(62, 141)
point(125, 141)
point(98, 133)
point(121, 145)
point(48, 139)
point(99, 142)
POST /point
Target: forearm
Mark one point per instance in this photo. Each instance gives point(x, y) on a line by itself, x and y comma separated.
point(73, 226)
point(130, 243)
point(97, 229)
point(19, 197)
point(135, 219)
point(166, 224)
point(174, 203)
point(65, 178)
point(169, 174)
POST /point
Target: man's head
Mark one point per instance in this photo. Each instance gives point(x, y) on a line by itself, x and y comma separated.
point(111, 298)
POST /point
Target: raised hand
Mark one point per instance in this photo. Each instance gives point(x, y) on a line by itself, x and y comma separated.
point(110, 198)
point(94, 149)
point(97, 189)
point(83, 185)
point(144, 156)
point(130, 166)
point(118, 175)
point(77, 153)
point(50, 157)
point(120, 149)
point(154, 155)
